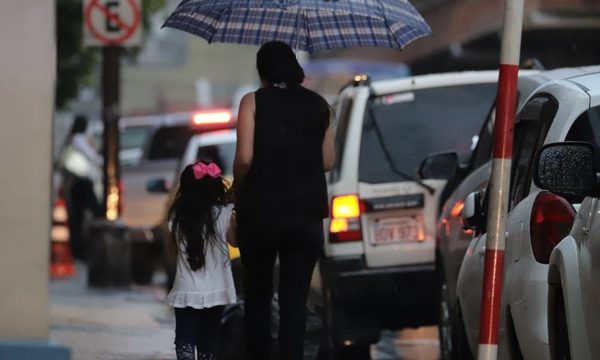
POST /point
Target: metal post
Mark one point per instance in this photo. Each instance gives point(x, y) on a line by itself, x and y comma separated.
point(500, 180)
point(110, 114)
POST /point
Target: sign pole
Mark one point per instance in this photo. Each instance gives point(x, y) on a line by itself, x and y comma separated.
point(500, 180)
point(110, 117)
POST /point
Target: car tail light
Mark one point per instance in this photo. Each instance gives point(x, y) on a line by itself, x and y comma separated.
point(212, 118)
point(551, 220)
point(345, 219)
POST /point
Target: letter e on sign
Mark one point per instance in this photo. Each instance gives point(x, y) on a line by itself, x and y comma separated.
point(112, 22)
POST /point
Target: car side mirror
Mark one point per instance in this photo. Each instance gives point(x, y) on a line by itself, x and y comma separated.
point(157, 186)
point(472, 213)
point(567, 168)
point(439, 166)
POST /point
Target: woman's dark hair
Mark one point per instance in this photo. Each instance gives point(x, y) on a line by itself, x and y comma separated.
point(79, 125)
point(277, 63)
point(193, 215)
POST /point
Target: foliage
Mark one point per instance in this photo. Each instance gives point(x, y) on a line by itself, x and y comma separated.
point(75, 62)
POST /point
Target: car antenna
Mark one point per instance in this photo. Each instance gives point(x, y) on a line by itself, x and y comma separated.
point(389, 158)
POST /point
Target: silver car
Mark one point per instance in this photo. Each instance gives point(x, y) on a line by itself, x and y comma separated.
point(537, 221)
point(453, 237)
point(570, 169)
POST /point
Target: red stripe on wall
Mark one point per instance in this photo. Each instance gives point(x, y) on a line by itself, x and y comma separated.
point(492, 287)
point(505, 111)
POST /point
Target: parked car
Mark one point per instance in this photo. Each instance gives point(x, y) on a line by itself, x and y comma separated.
point(165, 144)
point(378, 270)
point(214, 146)
point(574, 273)
point(452, 236)
point(537, 221)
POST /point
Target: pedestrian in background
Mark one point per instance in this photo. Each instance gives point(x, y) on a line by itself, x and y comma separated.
point(80, 168)
point(284, 146)
point(198, 220)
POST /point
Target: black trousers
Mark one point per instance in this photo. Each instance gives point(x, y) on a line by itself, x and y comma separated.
point(298, 242)
point(198, 327)
point(80, 197)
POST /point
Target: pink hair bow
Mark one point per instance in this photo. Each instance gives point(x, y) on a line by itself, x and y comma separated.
point(201, 170)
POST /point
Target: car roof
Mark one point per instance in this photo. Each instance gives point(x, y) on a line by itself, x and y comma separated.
point(590, 83)
point(170, 119)
point(167, 119)
point(433, 80)
point(214, 137)
point(530, 83)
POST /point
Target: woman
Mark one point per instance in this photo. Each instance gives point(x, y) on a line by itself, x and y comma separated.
point(284, 146)
point(80, 169)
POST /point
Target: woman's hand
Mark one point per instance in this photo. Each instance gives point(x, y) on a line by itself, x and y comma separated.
point(231, 230)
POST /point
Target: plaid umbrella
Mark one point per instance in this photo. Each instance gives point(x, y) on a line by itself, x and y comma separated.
point(309, 25)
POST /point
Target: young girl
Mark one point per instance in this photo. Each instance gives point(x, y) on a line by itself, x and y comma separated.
point(199, 218)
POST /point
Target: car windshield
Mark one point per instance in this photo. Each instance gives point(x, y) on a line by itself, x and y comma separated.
point(221, 154)
point(415, 124)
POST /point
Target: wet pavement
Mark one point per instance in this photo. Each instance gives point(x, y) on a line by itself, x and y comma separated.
point(134, 324)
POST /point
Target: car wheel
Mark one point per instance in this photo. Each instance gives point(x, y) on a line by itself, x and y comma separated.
point(352, 352)
point(460, 344)
point(514, 346)
point(560, 349)
point(329, 348)
point(445, 324)
point(451, 329)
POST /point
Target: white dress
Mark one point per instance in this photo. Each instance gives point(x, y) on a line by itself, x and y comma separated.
point(212, 285)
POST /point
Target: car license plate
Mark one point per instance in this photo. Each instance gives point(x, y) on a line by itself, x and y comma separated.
point(392, 230)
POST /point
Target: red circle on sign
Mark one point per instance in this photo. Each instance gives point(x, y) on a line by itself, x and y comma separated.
point(129, 29)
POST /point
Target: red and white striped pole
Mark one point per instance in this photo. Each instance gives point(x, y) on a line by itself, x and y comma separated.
point(500, 180)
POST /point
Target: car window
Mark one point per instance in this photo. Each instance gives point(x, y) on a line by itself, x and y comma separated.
point(586, 127)
point(415, 124)
point(340, 136)
point(133, 137)
point(533, 123)
point(482, 152)
point(221, 154)
point(169, 142)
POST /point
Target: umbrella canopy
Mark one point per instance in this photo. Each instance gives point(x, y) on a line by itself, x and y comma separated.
point(309, 25)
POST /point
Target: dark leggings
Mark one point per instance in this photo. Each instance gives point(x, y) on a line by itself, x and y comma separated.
point(199, 329)
point(80, 198)
point(298, 242)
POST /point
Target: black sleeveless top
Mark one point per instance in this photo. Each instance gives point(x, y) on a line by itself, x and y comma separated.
point(286, 177)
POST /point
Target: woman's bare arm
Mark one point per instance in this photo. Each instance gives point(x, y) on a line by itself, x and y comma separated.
point(244, 150)
point(328, 145)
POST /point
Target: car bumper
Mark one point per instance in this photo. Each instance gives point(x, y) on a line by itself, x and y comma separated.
point(390, 297)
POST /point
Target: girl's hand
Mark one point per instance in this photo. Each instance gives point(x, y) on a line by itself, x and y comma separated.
point(231, 231)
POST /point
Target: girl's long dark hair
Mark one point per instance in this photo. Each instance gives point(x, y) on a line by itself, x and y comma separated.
point(193, 215)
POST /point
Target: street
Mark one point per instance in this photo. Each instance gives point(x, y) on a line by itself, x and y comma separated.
point(134, 324)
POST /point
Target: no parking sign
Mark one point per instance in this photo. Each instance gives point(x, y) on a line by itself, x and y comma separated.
point(112, 22)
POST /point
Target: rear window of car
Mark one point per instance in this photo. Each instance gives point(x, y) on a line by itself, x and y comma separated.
point(169, 142)
point(415, 124)
point(134, 137)
point(221, 154)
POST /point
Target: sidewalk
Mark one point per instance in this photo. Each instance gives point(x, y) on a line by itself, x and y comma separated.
point(134, 324)
point(131, 324)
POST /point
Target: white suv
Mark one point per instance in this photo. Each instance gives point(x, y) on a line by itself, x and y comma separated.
point(378, 270)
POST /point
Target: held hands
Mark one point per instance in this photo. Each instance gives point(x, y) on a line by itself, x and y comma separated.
point(231, 230)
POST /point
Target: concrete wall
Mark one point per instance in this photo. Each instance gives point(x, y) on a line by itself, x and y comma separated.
point(27, 75)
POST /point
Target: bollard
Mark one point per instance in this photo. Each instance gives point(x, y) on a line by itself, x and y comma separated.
point(500, 181)
point(108, 254)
